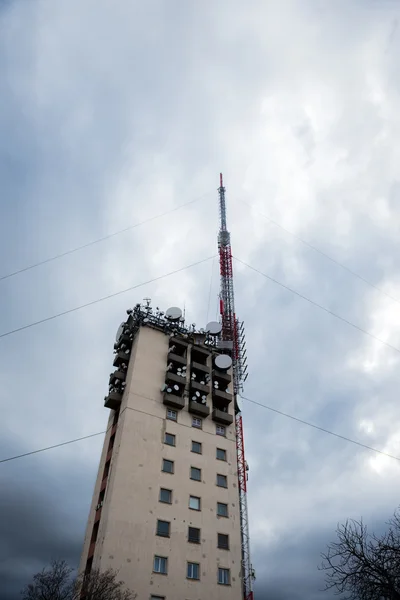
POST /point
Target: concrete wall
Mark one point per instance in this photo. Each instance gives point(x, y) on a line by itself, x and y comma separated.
point(126, 540)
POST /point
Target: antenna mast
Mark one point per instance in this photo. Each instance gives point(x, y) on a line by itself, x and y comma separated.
point(233, 337)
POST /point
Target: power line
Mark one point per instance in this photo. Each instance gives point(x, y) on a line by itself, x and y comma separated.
point(327, 310)
point(101, 239)
point(279, 412)
point(85, 437)
point(322, 253)
point(342, 437)
point(133, 287)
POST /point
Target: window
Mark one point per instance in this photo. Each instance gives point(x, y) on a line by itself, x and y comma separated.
point(172, 415)
point(194, 535)
point(168, 466)
point(195, 473)
point(169, 439)
point(220, 430)
point(194, 502)
point(196, 422)
point(196, 447)
point(165, 496)
point(224, 576)
point(163, 528)
point(221, 454)
point(222, 509)
point(193, 570)
point(157, 597)
point(222, 481)
point(160, 565)
point(223, 541)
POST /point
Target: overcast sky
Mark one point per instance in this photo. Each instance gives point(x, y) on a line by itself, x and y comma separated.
point(112, 113)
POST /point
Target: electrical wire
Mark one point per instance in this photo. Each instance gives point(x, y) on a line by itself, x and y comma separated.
point(279, 412)
point(85, 437)
point(321, 252)
point(342, 437)
point(327, 310)
point(101, 239)
point(133, 287)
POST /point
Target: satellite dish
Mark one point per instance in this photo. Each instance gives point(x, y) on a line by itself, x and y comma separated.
point(173, 313)
point(223, 362)
point(120, 331)
point(214, 328)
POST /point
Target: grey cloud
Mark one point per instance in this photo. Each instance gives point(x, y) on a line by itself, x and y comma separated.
point(110, 116)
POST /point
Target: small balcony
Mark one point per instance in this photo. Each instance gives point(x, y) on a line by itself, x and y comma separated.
point(199, 409)
point(178, 346)
point(223, 379)
point(199, 387)
point(200, 369)
point(200, 355)
point(113, 400)
point(117, 377)
point(121, 358)
point(221, 397)
point(220, 416)
point(173, 401)
point(177, 361)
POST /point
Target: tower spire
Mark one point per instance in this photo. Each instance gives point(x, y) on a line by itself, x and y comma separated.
point(233, 336)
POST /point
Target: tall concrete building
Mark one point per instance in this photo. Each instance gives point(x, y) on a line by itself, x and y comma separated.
point(166, 509)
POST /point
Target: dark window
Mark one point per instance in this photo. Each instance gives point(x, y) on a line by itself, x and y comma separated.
point(196, 422)
point(222, 481)
point(160, 565)
point(195, 473)
point(193, 570)
point(194, 535)
point(223, 541)
point(169, 439)
point(196, 447)
point(222, 509)
point(163, 528)
point(224, 576)
point(221, 454)
point(167, 466)
point(172, 415)
point(194, 502)
point(165, 496)
point(220, 430)
point(157, 597)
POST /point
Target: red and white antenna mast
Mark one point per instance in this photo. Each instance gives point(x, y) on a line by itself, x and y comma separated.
point(233, 335)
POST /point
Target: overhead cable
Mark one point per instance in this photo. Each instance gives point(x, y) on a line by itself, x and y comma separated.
point(327, 310)
point(342, 437)
point(85, 437)
point(101, 239)
point(321, 252)
point(270, 408)
point(133, 287)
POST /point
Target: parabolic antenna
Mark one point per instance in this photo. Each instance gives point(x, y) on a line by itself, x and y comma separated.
point(214, 328)
point(173, 313)
point(120, 331)
point(223, 362)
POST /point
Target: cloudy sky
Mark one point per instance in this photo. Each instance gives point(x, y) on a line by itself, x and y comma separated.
point(112, 113)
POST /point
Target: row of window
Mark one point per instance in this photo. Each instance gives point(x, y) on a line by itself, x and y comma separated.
point(172, 415)
point(194, 534)
point(160, 565)
point(168, 466)
point(197, 447)
point(194, 502)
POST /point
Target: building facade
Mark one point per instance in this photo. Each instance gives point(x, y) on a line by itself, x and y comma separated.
point(165, 511)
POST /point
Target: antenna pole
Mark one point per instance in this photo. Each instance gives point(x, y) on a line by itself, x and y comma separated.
point(233, 333)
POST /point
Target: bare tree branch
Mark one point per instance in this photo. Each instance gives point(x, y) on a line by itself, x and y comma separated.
point(364, 566)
